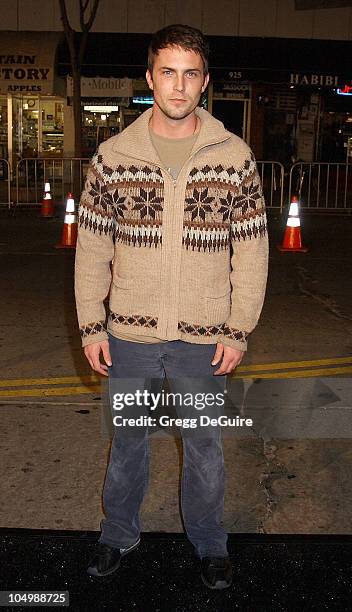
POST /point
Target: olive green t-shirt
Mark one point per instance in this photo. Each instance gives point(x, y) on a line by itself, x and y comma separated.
point(173, 153)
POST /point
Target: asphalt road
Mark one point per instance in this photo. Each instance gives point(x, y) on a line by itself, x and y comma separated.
point(289, 474)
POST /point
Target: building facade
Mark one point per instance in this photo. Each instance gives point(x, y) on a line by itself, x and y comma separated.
point(280, 77)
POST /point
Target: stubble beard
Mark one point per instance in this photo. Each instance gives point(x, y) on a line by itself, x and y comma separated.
point(174, 113)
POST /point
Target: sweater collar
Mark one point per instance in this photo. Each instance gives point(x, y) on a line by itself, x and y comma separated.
point(135, 140)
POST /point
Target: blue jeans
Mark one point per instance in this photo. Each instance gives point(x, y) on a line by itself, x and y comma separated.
point(186, 366)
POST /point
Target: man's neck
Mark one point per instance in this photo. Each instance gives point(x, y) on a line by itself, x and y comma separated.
point(170, 128)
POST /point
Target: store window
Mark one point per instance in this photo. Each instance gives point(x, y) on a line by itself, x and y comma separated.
point(279, 140)
point(280, 108)
point(306, 125)
point(28, 114)
point(37, 127)
point(52, 139)
point(100, 120)
point(336, 128)
point(332, 137)
point(230, 103)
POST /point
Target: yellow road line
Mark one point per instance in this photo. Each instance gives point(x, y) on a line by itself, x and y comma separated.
point(78, 390)
point(93, 384)
point(294, 364)
point(299, 373)
point(46, 392)
point(27, 382)
point(91, 379)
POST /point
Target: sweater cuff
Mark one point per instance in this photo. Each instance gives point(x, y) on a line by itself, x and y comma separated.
point(93, 332)
point(234, 338)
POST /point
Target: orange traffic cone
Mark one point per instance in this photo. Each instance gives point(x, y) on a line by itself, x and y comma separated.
point(69, 232)
point(292, 238)
point(47, 208)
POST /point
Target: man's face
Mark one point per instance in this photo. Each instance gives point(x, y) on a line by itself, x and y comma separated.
point(177, 81)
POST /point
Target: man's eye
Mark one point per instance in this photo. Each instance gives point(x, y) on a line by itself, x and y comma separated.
point(192, 74)
point(167, 72)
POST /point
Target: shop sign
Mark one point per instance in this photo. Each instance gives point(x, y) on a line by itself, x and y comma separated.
point(232, 90)
point(23, 73)
point(346, 91)
point(99, 87)
point(235, 74)
point(263, 75)
point(321, 80)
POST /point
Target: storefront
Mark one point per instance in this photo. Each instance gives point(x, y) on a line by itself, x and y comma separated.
point(286, 116)
point(295, 109)
point(230, 102)
point(280, 95)
point(108, 105)
point(32, 98)
point(306, 119)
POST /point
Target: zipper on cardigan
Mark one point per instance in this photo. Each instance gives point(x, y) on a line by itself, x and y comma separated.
point(209, 144)
point(193, 154)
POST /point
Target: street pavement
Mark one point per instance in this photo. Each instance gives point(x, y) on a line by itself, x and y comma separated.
point(289, 473)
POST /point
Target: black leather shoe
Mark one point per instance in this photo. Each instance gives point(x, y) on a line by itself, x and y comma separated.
point(216, 572)
point(108, 559)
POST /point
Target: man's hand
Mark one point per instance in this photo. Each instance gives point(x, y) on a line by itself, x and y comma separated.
point(92, 352)
point(231, 358)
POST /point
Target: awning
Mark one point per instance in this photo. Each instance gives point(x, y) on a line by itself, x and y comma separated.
point(27, 62)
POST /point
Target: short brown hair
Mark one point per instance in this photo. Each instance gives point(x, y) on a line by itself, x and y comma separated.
point(186, 37)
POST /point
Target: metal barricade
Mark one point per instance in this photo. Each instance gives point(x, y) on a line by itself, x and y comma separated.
point(272, 176)
point(64, 174)
point(5, 183)
point(322, 186)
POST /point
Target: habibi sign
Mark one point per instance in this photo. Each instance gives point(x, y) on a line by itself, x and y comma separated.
point(27, 62)
point(264, 75)
point(321, 80)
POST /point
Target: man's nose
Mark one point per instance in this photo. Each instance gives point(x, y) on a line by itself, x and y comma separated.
point(179, 82)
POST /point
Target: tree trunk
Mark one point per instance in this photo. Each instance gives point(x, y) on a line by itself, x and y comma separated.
point(77, 117)
point(77, 110)
point(77, 51)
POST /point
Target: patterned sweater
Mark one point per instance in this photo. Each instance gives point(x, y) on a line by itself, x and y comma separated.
point(184, 259)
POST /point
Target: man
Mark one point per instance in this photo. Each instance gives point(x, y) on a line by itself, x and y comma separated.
point(172, 226)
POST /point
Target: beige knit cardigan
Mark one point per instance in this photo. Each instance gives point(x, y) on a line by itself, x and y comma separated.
point(180, 259)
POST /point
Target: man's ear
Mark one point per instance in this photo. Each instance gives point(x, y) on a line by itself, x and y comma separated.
point(205, 84)
point(149, 79)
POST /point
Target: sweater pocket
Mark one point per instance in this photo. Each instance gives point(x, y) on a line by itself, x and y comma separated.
point(121, 295)
point(123, 283)
point(218, 304)
point(133, 296)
